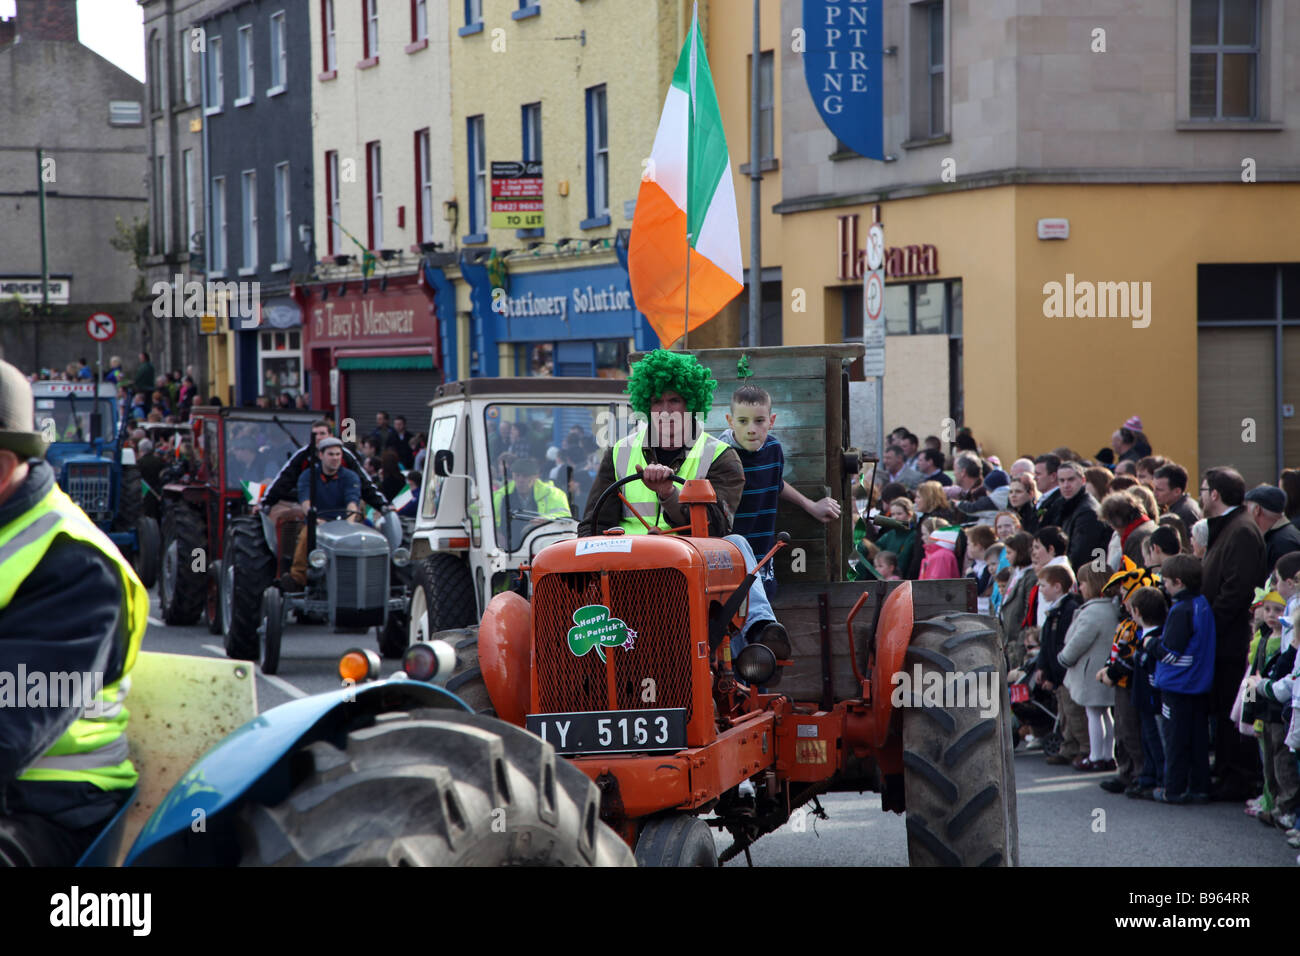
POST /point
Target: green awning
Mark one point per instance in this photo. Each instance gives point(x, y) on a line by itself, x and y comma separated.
point(385, 362)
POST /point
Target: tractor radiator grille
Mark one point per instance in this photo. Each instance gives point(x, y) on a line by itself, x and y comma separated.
point(653, 603)
point(90, 486)
point(362, 582)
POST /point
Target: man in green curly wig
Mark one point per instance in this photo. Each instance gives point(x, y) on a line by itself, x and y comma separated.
point(670, 389)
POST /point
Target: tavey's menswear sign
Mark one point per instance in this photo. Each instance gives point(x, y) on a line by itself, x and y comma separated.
point(843, 62)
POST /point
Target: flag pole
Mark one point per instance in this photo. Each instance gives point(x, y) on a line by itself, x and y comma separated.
point(690, 143)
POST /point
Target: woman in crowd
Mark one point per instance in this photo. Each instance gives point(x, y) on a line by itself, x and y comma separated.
point(1123, 512)
point(1098, 480)
point(1176, 525)
point(1023, 500)
point(1014, 605)
point(931, 502)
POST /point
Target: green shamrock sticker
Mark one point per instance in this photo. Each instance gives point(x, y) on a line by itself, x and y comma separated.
point(594, 628)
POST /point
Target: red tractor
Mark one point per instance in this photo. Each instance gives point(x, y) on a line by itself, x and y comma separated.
point(621, 660)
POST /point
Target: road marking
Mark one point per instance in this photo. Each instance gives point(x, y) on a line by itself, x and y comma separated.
point(1057, 787)
point(271, 679)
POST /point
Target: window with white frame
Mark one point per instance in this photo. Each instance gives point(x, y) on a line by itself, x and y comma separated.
point(279, 359)
point(477, 176)
point(279, 53)
point(375, 190)
point(1224, 75)
point(597, 153)
point(217, 241)
point(423, 187)
point(187, 68)
point(283, 215)
point(419, 20)
point(327, 33)
point(190, 212)
point(371, 25)
point(215, 75)
point(335, 232)
point(245, 64)
point(248, 182)
point(160, 223)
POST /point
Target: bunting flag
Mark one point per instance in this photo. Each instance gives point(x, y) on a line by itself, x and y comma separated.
point(403, 498)
point(686, 189)
point(254, 490)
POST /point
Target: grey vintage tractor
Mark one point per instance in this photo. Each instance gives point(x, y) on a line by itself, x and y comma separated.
point(357, 577)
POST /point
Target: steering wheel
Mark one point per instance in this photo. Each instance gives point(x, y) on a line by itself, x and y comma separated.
point(650, 528)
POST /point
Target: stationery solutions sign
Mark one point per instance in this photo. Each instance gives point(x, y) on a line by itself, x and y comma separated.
point(517, 195)
point(843, 64)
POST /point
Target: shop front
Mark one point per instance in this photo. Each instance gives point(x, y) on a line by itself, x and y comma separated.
point(369, 348)
point(556, 322)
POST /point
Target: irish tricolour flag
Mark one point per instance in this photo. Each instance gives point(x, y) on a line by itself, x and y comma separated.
point(686, 189)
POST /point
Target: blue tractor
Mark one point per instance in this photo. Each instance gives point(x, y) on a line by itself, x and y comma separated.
point(86, 452)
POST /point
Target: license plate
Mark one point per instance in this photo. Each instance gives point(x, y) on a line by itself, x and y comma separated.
point(612, 731)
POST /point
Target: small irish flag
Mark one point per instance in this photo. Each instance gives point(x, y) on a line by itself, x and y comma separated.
point(403, 498)
point(687, 188)
point(253, 490)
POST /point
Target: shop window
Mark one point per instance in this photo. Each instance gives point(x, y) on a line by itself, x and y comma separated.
point(611, 358)
point(279, 356)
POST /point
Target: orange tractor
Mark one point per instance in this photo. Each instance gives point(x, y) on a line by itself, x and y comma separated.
point(621, 660)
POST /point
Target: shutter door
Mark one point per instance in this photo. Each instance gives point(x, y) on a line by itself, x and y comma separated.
point(396, 391)
point(1235, 369)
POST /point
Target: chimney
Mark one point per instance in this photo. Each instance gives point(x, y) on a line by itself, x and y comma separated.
point(47, 20)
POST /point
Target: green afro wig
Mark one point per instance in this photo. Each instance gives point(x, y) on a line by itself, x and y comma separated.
point(662, 370)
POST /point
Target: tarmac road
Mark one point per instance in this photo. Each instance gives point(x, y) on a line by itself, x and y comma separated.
point(1065, 818)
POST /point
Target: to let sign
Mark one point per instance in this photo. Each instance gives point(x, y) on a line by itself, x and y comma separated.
point(843, 63)
point(517, 195)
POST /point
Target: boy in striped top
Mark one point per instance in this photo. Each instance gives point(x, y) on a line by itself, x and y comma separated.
point(760, 453)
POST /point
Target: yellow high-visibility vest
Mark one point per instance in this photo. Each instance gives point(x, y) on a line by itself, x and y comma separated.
point(630, 452)
point(94, 749)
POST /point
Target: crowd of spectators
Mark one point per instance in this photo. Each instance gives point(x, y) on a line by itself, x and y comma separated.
point(1158, 624)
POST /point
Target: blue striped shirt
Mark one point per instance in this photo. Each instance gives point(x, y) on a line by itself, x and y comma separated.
point(764, 478)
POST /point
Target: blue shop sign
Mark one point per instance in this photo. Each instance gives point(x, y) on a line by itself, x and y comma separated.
point(843, 64)
point(591, 303)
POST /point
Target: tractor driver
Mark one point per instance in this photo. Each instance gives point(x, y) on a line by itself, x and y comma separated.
point(282, 497)
point(528, 494)
point(336, 493)
point(670, 389)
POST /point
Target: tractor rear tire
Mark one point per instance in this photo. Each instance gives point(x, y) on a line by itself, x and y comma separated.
point(681, 839)
point(433, 788)
point(958, 767)
point(130, 500)
point(442, 596)
point(182, 591)
point(148, 548)
point(466, 681)
point(248, 569)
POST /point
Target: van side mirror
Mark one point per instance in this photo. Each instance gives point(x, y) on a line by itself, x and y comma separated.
point(443, 463)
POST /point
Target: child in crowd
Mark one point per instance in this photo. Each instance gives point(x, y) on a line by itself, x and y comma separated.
point(886, 565)
point(978, 540)
point(1184, 673)
point(1258, 714)
point(751, 420)
point(1087, 644)
point(940, 543)
point(1055, 584)
point(1274, 690)
point(1147, 608)
point(1119, 673)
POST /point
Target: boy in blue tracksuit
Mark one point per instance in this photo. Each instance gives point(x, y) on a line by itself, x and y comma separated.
point(1184, 653)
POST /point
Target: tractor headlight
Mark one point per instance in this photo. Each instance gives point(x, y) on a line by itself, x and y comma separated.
point(358, 665)
point(401, 557)
point(430, 661)
point(755, 665)
point(317, 558)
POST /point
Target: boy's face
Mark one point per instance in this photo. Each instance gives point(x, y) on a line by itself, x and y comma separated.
point(898, 513)
point(886, 567)
point(1288, 586)
point(1048, 591)
point(975, 551)
point(1171, 585)
point(1269, 613)
point(750, 424)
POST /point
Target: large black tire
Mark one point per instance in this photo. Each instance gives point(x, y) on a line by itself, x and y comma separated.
point(434, 788)
point(182, 591)
point(130, 501)
point(148, 550)
point(958, 767)
point(248, 569)
point(681, 839)
point(442, 596)
point(466, 681)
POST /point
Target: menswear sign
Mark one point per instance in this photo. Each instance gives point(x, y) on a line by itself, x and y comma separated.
point(843, 64)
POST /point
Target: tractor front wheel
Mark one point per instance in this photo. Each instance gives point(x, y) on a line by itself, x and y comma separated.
point(248, 568)
point(433, 788)
point(442, 596)
point(681, 839)
point(182, 591)
point(958, 766)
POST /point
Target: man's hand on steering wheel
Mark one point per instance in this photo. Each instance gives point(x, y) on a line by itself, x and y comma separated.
point(658, 478)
